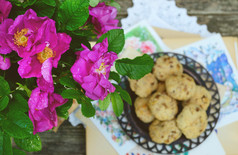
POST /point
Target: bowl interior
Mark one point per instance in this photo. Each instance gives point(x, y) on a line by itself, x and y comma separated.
point(133, 126)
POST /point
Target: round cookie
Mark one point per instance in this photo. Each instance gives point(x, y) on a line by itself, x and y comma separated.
point(142, 110)
point(144, 86)
point(166, 66)
point(192, 121)
point(164, 131)
point(162, 106)
point(201, 97)
point(161, 87)
point(180, 87)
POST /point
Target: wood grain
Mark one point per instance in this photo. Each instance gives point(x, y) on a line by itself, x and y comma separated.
point(68, 140)
point(219, 15)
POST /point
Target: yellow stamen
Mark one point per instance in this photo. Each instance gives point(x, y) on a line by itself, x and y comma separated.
point(102, 69)
point(45, 54)
point(20, 39)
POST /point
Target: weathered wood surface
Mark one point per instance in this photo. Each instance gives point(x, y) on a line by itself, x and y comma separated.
point(220, 16)
point(68, 140)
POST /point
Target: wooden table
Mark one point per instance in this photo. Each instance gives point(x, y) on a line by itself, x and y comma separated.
point(220, 16)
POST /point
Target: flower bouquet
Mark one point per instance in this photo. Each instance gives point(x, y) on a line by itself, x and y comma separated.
point(46, 61)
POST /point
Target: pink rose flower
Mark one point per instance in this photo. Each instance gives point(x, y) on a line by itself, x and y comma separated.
point(42, 109)
point(103, 18)
point(4, 47)
point(52, 45)
point(133, 42)
point(5, 9)
point(5, 63)
point(148, 47)
point(22, 36)
point(91, 70)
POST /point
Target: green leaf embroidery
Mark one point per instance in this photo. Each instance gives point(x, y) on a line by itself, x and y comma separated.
point(4, 87)
point(17, 124)
point(68, 82)
point(93, 3)
point(62, 111)
point(103, 105)
point(117, 103)
point(5, 143)
point(73, 13)
point(115, 76)
point(116, 40)
point(4, 102)
point(32, 143)
point(124, 94)
point(135, 68)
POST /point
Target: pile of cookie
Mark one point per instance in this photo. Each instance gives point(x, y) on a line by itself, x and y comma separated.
point(159, 95)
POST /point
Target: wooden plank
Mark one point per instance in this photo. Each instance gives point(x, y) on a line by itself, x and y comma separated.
point(68, 140)
point(219, 15)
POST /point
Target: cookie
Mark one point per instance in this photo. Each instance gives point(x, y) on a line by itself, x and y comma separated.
point(142, 110)
point(166, 66)
point(164, 131)
point(162, 106)
point(161, 87)
point(144, 86)
point(180, 87)
point(192, 121)
point(201, 97)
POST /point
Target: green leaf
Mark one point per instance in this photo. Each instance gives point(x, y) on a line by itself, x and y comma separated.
point(49, 2)
point(71, 94)
point(68, 82)
point(24, 87)
point(136, 68)
point(18, 152)
point(4, 87)
point(30, 144)
point(114, 76)
point(5, 143)
point(93, 3)
point(116, 5)
point(44, 8)
point(62, 111)
point(2, 117)
point(18, 103)
point(4, 102)
point(116, 40)
point(23, 3)
point(103, 105)
point(124, 94)
point(117, 103)
point(87, 108)
point(73, 14)
point(17, 124)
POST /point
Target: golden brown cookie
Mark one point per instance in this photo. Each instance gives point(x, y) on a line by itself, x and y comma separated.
point(162, 106)
point(192, 121)
point(142, 110)
point(144, 86)
point(166, 66)
point(180, 87)
point(164, 131)
point(201, 97)
point(161, 87)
